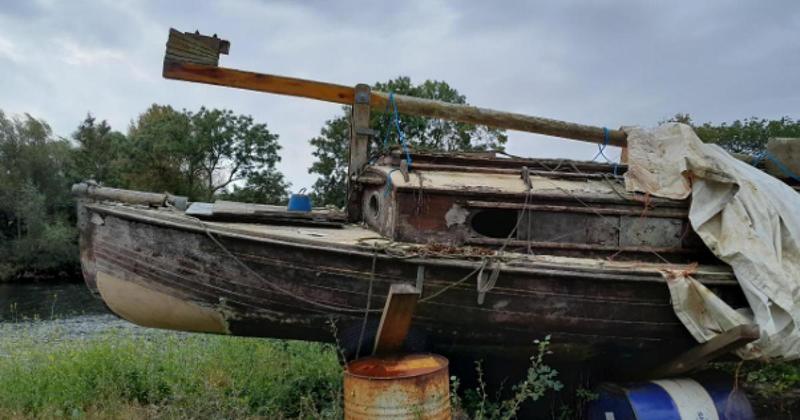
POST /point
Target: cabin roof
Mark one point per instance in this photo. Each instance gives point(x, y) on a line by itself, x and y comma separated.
point(498, 182)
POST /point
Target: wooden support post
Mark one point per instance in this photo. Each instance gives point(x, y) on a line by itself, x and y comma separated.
point(396, 318)
point(359, 147)
point(723, 343)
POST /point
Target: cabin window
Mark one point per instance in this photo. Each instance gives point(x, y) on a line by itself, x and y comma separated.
point(494, 223)
point(373, 206)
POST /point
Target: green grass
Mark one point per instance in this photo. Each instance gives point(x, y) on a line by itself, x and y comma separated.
point(166, 375)
point(140, 373)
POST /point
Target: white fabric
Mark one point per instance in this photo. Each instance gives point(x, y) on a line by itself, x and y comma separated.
point(690, 398)
point(747, 218)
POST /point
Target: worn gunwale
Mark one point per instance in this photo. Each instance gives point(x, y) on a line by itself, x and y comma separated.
point(640, 272)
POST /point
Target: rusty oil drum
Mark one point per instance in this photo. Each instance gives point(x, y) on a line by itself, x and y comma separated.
point(412, 386)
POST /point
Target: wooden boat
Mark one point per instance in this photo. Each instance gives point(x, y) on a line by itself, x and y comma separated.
point(593, 278)
point(505, 250)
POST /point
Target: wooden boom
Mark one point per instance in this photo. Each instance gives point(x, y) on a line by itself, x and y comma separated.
point(189, 65)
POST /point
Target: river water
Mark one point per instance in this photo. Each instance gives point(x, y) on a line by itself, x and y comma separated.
point(47, 301)
point(36, 310)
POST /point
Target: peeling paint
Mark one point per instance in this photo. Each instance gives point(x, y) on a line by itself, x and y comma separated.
point(457, 215)
point(97, 219)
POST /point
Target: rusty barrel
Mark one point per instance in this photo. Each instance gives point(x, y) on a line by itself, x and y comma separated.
point(411, 386)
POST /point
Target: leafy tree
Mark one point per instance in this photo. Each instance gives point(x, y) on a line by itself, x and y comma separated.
point(748, 136)
point(332, 153)
point(159, 156)
point(332, 145)
point(100, 153)
point(36, 210)
point(266, 186)
point(201, 154)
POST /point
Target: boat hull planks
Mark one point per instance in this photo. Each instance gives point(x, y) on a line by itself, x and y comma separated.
point(160, 268)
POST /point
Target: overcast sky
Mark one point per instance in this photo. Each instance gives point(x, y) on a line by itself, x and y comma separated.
point(595, 62)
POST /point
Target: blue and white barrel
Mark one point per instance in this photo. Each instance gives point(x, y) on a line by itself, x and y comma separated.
point(668, 399)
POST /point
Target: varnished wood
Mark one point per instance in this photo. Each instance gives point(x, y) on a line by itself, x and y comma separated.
point(259, 82)
point(406, 104)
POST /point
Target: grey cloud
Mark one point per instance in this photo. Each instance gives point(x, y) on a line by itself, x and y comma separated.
point(601, 62)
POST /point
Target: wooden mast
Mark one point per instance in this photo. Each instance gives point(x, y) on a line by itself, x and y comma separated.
point(359, 148)
point(198, 63)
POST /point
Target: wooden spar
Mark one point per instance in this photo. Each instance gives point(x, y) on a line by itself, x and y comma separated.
point(341, 94)
point(723, 343)
point(93, 191)
point(280, 85)
point(500, 119)
point(178, 67)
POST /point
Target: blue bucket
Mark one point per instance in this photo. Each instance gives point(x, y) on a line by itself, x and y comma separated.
point(299, 202)
point(679, 398)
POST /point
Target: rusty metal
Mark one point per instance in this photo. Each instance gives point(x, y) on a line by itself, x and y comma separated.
point(415, 386)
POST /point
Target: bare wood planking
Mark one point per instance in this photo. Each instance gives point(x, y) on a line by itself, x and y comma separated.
point(722, 344)
point(341, 94)
point(396, 318)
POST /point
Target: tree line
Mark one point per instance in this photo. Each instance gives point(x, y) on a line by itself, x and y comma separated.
point(211, 154)
point(205, 154)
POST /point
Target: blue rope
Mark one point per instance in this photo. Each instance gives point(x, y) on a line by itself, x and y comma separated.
point(783, 168)
point(386, 121)
point(601, 148)
point(389, 182)
point(400, 133)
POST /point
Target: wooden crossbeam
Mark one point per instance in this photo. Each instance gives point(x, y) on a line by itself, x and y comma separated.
point(396, 318)
point(189, 68)
point(722, 344)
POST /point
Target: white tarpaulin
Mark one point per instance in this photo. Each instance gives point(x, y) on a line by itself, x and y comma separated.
point(747, 218)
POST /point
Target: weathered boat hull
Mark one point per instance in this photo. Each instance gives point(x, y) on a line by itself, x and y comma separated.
point(159, 268)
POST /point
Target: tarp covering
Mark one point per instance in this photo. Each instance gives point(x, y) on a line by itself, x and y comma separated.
point(747, 218)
